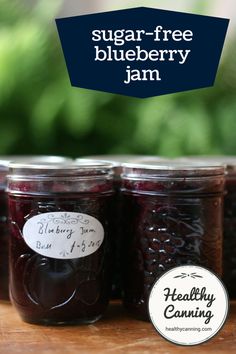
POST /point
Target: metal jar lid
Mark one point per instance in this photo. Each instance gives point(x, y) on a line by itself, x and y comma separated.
point(227, 160)
point(5, 160)
point(172, 168)
point(49, 169)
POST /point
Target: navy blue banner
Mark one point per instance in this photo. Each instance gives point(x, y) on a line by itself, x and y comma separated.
point(142, 52)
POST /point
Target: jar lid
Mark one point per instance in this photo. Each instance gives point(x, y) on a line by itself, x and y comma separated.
point(4, 165)
point(5, 160)
point(227, 160)
point(172, 168)
point(47, 169)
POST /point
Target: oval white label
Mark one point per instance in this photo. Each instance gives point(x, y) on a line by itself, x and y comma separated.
point(63, 235)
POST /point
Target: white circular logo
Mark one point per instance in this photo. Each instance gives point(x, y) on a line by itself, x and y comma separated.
point(188, 305)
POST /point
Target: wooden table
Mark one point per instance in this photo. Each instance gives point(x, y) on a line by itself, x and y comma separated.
point(115, 333)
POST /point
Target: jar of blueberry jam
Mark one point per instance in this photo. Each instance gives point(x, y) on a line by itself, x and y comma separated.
point(59, 243)
point(4, 230)
point(172, 216)
point(229, 238)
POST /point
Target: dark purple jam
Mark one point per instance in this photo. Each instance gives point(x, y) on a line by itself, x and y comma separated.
point(4, 235)
point(117, 250)
point(168, 222)
point(229, 243)
point(53, 291)
point(229, 229)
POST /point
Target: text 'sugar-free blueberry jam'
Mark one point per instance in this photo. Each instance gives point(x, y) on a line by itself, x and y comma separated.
point(172, 216)
point(59, 243)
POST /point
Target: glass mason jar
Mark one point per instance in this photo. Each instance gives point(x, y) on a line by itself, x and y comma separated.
point(229, 239)
point(172, 216)
point(4, 230)
point(59, 243)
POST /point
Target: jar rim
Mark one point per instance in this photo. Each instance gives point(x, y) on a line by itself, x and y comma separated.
point(228, 160)
point(59, 169)
point(6, 160)
point(173, 168)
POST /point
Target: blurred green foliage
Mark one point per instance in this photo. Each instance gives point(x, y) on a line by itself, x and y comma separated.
point(40, 113)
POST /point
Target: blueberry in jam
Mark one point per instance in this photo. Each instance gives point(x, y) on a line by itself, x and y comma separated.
point(46, 289)
point(172, 216)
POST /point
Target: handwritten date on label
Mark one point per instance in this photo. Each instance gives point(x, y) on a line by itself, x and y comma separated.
point(63, 235)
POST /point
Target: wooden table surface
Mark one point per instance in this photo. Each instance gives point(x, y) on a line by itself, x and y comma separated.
point(115, 333)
